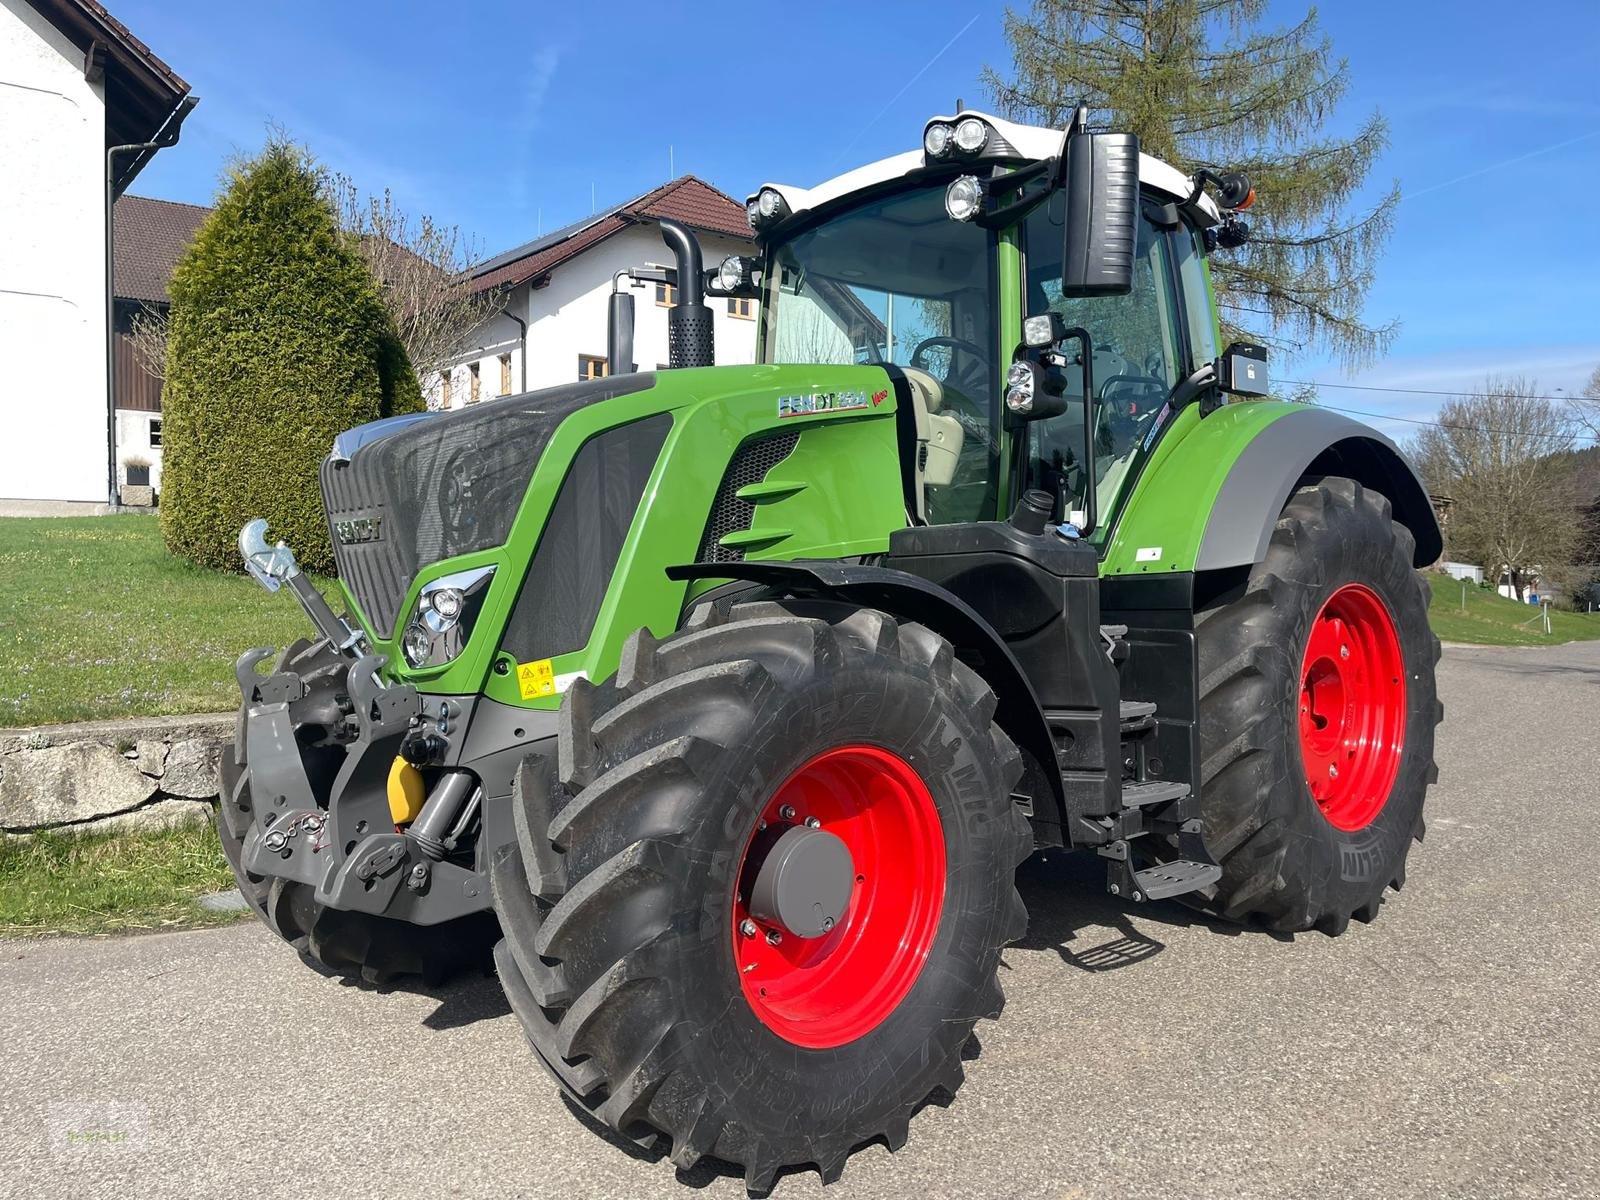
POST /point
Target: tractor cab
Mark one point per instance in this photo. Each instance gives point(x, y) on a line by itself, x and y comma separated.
point(1044, 294)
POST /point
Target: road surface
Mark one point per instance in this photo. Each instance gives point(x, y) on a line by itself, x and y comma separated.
point(1450, 1049)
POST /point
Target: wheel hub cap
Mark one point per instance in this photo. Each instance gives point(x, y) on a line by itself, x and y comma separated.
point(804, 882)
point(1352, 704)
point(839, 896)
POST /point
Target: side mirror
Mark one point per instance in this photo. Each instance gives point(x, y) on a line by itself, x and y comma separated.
point(1100, 172)
point(1242, 370)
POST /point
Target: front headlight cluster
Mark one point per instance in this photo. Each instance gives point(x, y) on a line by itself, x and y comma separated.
point(966, 138)
point(442, 621)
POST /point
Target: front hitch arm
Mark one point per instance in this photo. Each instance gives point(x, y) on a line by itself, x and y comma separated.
point(274, 565)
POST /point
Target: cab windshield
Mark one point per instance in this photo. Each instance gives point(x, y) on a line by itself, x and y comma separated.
point(897, 281)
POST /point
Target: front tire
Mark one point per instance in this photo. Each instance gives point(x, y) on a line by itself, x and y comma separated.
point(626, 897)
point(1317, 716)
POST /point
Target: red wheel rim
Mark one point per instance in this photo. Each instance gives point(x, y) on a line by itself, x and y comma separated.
point(825, 991)
point(1352, 707)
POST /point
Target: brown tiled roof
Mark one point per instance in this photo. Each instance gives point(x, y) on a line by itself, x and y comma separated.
point(142, 92)
point(150, 237)
point(687, 199)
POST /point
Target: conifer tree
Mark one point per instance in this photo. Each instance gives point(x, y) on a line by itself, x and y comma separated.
point(1204, 84)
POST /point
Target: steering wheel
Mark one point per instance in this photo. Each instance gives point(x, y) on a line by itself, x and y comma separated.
point(952, 343)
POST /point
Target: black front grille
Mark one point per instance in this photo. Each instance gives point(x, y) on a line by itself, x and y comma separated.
point(441, 487)
point(729, 513)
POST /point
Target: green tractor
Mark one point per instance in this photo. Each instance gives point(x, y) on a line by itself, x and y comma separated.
point(722, 703)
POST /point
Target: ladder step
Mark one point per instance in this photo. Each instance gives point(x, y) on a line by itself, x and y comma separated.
point(1137, 710)
point(1175, 878)
point(1152, 791)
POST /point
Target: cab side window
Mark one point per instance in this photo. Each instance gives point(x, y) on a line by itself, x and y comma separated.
point(1137, 361)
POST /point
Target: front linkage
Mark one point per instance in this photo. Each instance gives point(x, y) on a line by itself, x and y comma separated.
point(316, 786)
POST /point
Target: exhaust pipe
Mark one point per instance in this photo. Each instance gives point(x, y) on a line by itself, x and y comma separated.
point(690, 338)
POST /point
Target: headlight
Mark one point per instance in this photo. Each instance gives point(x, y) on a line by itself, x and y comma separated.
point(964, 198)
point(970, 135)
point(936, 140)
point(442, 622)
point(766, 207)
point(752, 211)
point(734, 272)
point(1020, 387)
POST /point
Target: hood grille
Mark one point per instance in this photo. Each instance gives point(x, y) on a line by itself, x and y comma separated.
point(442, 487)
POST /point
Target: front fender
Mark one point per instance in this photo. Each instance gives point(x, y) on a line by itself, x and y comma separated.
point(909, 596)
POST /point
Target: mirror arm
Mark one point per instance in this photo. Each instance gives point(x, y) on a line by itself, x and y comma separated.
point(1079, 334)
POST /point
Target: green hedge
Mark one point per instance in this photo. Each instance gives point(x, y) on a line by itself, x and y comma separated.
point(278, 339)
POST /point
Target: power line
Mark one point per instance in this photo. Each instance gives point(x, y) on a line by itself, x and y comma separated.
point(1556, 437)
point(1399, 391)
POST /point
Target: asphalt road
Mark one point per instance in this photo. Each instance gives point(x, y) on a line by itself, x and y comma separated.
point(1450, 1049)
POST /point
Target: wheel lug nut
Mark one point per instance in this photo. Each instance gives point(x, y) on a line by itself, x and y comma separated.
point(773, 937)
point(787, 812)
point(747, 927)
point(813, 823)
point(1333, 771)
point(1344, 651)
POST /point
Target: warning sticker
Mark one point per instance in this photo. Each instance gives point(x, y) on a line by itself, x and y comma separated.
point(536, 679)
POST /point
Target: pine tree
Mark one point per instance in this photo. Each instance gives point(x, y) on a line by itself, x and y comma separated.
point(278, 339)
point(1203, 85)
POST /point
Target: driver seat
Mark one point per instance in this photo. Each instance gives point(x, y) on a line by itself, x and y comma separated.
point(939, 436)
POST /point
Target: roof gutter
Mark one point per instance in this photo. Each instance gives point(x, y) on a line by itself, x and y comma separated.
point(166, 136)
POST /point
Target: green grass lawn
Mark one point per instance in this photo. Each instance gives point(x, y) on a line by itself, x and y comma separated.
point(1490, 619)
point(97, 620)
point(69, 883)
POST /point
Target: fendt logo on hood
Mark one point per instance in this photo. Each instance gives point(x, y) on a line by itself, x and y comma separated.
point(351, 533)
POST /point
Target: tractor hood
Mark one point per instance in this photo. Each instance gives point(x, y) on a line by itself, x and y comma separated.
point(404, 493)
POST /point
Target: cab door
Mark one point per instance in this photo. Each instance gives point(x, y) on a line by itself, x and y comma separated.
point(1140, 353)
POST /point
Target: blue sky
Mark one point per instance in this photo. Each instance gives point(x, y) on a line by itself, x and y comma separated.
point(505, 118)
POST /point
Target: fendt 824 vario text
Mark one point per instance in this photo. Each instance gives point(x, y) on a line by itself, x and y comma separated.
point(722, 703)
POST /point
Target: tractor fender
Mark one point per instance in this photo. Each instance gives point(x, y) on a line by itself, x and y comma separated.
point(901, 594)
point(1310, 442)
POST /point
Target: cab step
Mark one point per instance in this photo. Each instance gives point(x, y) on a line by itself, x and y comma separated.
point(1174, 879)
point(1139, 794)
point(1137, 715)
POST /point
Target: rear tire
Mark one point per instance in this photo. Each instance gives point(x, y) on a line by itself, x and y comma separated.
point(375, 949)
point(618, 899)
point(1294, 860)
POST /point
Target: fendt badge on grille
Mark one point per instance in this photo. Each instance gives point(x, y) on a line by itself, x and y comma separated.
point(350, 533)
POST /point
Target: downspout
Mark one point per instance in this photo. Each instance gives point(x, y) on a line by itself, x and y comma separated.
point(166, 136)
point(522, 340)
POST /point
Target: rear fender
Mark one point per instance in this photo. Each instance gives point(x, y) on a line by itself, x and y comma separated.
point(1215, 486)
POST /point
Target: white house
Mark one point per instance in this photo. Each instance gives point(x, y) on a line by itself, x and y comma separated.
point(83, 106)
point(555, 292)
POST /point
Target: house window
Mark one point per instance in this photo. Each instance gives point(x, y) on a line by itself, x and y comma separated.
point(505, 374)
point(742, 307)
point(592, 366)
point(666, 295)
point(155, 433)
point(475, 382)
point(444, 388)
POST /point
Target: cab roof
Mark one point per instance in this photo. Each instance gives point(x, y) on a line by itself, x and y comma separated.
point(1030, 143)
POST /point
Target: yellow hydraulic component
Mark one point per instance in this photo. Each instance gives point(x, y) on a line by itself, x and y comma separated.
point(406, 792)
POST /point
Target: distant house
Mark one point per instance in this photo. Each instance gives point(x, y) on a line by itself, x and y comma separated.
point(151, 235)
point(84, 105)
point(555, 288)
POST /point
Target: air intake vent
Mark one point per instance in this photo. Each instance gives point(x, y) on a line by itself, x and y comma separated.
point(730, 514)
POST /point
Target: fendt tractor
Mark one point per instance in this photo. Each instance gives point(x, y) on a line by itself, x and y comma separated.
point(723, 703)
